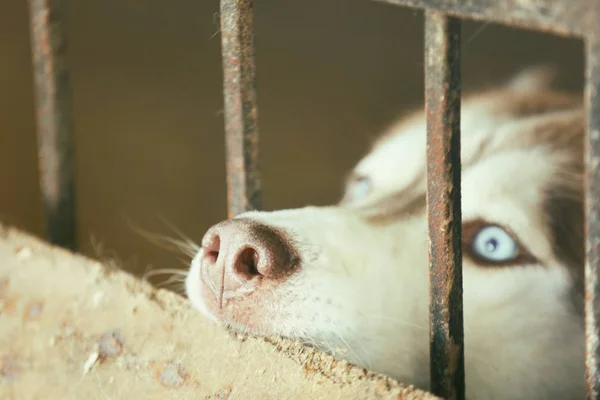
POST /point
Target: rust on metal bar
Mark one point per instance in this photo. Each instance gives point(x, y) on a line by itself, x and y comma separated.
point(54, 124)
point(562, 17)
point(241, 128)
point(592, 191)
point(442, 101)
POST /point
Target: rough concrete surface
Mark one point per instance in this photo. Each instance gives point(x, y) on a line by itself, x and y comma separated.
point(71, 328)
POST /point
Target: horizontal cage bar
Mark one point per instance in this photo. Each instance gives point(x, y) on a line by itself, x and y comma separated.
point(557, 16)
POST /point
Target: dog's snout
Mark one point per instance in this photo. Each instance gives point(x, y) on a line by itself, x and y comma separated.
point(240, 254)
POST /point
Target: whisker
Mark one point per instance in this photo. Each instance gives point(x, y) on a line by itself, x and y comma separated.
point(170, 281)
point(186, 263)
point(401, 322)
point(361, 341)
point(477, 32)
point(180, 289)
point(326, 343)
point(185, 245)
point(184, 238)
point(177, 231)
point(359, 359)
point(163, 271)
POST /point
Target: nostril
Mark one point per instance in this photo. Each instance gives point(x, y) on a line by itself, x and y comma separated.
point(246, 263)
point(211, 257)
point(211, 244)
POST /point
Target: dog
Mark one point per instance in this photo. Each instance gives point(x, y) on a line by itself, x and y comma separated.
point(352, 278)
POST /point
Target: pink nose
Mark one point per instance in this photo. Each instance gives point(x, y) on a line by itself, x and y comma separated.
point(240, 254)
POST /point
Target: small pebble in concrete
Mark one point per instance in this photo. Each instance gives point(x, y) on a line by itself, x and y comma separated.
point(33, 310)
point(9, 369)
point(172, 375)
point(111, 344)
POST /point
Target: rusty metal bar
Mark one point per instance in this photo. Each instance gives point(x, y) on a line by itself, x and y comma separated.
point(241, 127)
point(561, 17)
point(592, 190)
point(54, 124)
point(442, 102)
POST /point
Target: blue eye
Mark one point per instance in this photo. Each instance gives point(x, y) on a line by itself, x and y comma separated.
point(494, 244)
point(358, 188)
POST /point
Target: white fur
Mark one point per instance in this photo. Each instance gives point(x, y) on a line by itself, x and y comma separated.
point(363, 288)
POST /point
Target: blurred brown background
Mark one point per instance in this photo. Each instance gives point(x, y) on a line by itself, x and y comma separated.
point(146, 81)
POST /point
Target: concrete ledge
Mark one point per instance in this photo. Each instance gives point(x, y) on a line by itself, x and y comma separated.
point(71, 328)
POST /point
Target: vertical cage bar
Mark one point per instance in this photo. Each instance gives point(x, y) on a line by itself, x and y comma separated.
point(239, 86)
point(54, 124)
point(592, 265)
point(442, 102)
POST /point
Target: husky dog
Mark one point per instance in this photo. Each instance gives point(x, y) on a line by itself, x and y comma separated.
point(354, 276)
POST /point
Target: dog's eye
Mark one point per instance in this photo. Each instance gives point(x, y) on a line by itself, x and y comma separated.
point(358, 188)
point(494, 244)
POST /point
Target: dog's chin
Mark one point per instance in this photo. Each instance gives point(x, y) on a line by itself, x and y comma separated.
point(195, 290)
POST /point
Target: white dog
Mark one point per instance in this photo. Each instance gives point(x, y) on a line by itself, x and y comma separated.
point(354, 276)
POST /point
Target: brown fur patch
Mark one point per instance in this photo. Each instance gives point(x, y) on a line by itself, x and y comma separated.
point(552, 120)
point(528, 104)
point(397, 205)
point(389, 212)
point(506, 102)
point(563, 131)
point(564, 211)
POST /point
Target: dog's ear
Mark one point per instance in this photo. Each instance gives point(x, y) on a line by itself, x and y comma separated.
point(535, 78)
